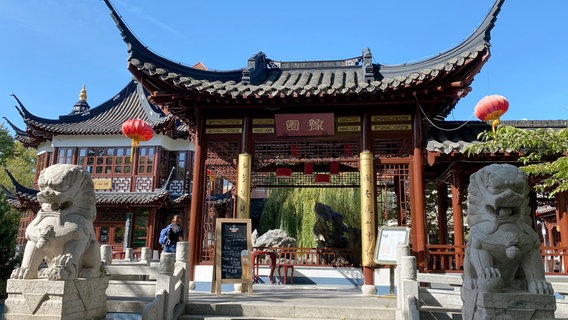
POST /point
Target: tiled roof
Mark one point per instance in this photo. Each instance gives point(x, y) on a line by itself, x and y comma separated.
point(264, 78)
point(24, 195)
point(454, 136)
point(105, 119)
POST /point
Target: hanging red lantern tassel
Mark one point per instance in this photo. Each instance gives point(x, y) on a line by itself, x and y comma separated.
point(491, 108)
point(137, 130)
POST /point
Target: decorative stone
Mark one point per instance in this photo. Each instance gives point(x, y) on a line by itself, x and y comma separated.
point(503, 269)
point(274, 238)
point(331, 232)
point(62, 232)
point(43, 299)
point(73, 284)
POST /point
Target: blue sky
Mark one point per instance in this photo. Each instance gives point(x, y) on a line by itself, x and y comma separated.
point(50, 48)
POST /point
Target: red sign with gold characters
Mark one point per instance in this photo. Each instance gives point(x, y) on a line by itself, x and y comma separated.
point(305, 124)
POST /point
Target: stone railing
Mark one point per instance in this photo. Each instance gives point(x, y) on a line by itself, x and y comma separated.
point(423, 293)
point(171, 278)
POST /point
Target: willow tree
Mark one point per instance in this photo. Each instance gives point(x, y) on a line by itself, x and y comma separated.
point(543, 153)
point(292, 209)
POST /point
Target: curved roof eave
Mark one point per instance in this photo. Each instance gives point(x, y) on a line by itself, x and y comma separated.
point(138, 50)
point(107, 118)
point(142, 57)
point(475, 43)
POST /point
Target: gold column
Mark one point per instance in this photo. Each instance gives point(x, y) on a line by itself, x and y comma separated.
point(368, 215)
point(243, 186)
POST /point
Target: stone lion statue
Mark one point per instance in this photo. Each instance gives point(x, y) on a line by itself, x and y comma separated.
point(502, 254)
point(62, 232)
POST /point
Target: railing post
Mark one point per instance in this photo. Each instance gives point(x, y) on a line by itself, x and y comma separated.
point(128, 254)
point(403, 250)
point(182, 260)
point(409, 285)
point(106, 254)
point(146, 255)
point(164, 282)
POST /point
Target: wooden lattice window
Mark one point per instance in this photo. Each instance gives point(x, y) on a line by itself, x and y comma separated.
point(146, 160)
point(65, 155)
point(394, 147)
point(105, 160)
point(393, 193)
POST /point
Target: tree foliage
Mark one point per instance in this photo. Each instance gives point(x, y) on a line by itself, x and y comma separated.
point(292, 209)
point(543, 153)
point(21, 164)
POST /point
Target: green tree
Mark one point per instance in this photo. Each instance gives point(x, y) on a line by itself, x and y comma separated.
point(9, 219)
point(292, 209)
point(543, 153)
point(21, 164)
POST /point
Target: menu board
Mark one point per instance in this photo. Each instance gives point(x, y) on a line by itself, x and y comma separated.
point(234, 238)
point(233, 248)
point(388, 240)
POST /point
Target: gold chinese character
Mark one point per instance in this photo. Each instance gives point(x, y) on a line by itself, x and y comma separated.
point(315, 124)
point(293, 125)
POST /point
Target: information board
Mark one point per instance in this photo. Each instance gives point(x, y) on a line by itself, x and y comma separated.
point(388, 240)
point(233, 246)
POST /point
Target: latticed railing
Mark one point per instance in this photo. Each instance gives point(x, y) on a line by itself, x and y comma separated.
point(449, 258)
point(333, 257)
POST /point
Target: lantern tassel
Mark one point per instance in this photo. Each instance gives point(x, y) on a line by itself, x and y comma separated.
point(494, 124)
point(135, 144)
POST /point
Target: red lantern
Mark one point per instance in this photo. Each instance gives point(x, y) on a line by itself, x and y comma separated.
point(322, 178)
point(283, 173)
point(137, 130)
point(491, 108)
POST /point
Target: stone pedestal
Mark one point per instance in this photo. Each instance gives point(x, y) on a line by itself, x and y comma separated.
point(514, 306)
point(43, 299)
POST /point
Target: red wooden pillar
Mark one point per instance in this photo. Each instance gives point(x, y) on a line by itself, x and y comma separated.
point(197, 196)
point(458, 215)
point(442, 191)
point(562, 203)
point(418, 214)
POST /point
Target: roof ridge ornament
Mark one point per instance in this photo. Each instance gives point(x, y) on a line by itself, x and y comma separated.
point(368, 70)
point(83, 94)
point(255, 67)
point(81, 105)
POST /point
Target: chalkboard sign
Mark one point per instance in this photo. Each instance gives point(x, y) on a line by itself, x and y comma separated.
point(388, 240)
point(233, 241)
point(233, 248)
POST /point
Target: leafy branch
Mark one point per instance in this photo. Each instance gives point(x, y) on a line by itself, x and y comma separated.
point(542, 153)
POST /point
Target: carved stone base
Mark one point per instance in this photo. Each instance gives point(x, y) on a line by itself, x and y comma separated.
point(56, 300)
point(514, 306)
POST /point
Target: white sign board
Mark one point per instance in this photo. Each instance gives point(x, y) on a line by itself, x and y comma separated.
point(388, 240)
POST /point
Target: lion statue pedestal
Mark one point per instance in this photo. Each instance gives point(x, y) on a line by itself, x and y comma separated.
point(503, 269)
point(73, 284)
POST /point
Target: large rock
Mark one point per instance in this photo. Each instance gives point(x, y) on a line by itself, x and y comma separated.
point(331, 232)
point(274, 238)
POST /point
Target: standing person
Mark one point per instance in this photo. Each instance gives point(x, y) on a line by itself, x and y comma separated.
point(173, 234)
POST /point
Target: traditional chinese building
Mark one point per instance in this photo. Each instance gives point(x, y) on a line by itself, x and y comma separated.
point(137, 193)
point(349, 122)
point(333, 123)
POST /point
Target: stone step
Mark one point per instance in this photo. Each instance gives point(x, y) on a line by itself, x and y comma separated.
point(440, 313)
point(283, 311)
point(127, 304)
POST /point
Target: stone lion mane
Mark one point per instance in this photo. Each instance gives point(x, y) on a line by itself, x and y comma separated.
point(62, 233)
